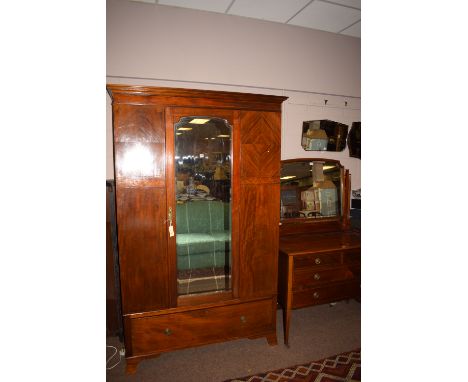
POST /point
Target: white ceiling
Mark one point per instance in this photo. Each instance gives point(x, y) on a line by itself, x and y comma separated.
point(337, 16)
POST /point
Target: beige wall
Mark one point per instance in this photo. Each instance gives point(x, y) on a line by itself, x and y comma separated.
point(156, 45)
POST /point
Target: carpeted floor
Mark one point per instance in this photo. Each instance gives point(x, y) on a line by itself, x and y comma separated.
point(315, 333)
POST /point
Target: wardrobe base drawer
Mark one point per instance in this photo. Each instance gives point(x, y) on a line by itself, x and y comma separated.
point(171, 331)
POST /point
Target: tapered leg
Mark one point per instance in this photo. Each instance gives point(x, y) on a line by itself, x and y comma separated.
point(286, 321)
point(272, 340)
point(131, 365)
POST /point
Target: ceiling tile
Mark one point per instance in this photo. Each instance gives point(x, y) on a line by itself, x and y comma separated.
point(351, 3)
point(272, 10)
point(353, 30)
point(326, 16)
point(219, 6)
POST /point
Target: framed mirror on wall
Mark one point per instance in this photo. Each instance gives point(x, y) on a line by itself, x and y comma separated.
point(324, 135)
point(354, 140)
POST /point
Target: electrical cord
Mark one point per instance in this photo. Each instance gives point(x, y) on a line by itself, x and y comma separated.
point(112, 356)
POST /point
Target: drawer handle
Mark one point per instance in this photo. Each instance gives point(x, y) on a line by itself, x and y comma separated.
point(318, 261)
point(316, 295)
point(243, 319)
point(167, 332)
point(316, 276)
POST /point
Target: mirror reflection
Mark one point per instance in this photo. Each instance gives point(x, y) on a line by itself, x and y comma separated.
point(203, 204)
point(310, 189)
point(324, 135)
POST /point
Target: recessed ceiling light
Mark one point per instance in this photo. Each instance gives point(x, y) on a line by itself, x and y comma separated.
point(288, 177)
point(184, 128)
point(223, 136)
point(178, 133)
point(199, 121)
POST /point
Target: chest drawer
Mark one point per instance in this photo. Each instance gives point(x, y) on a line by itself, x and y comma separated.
point(317, 260)
point(196, 327)
point(352, 257)
point(306, 277)
point(322, 295)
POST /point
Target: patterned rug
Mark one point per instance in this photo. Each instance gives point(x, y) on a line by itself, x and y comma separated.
point(344, 367)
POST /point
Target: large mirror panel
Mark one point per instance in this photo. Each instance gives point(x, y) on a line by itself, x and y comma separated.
point(311, 189)
point(203, 203)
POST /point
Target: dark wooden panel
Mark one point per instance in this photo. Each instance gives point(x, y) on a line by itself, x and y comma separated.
point(197, 327)
point(260, 144)
point(112, 319)
point(141, 215)
point(258, 239)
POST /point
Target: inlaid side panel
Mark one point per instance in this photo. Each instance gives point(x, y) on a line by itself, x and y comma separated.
point(139, 144)
point(258, 238)
point(141, 213)
point(138, 123)
point(260, 141)
point(260, 144)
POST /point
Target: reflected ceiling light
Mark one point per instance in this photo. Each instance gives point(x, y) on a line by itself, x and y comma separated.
point(223, 136)
point(328, 167)
point(178, 133)
point(199, 121)
point(288, 177)
point(139, 161)
point(184, 128)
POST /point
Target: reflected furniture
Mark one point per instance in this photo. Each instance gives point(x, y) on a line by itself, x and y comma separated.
point(319, 256)
point(324, 135)
point(197, 196)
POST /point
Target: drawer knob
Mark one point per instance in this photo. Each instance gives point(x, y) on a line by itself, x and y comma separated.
point(317, 260)
point(316, 276)
point(316, 295)
point(167, 332)
point(243, 319)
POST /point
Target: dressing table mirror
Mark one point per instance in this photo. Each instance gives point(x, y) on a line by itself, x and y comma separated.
point(319, 255)
point(315, 196)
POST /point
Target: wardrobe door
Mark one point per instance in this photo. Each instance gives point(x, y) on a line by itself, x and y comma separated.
point(139, 144)
point(259, 200)
point(199, 170)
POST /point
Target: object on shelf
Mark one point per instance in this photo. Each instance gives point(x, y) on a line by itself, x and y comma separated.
point(328, 198)
point(313, 138)
point(203, 188)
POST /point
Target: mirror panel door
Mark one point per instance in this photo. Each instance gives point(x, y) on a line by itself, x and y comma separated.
point(203, 167)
